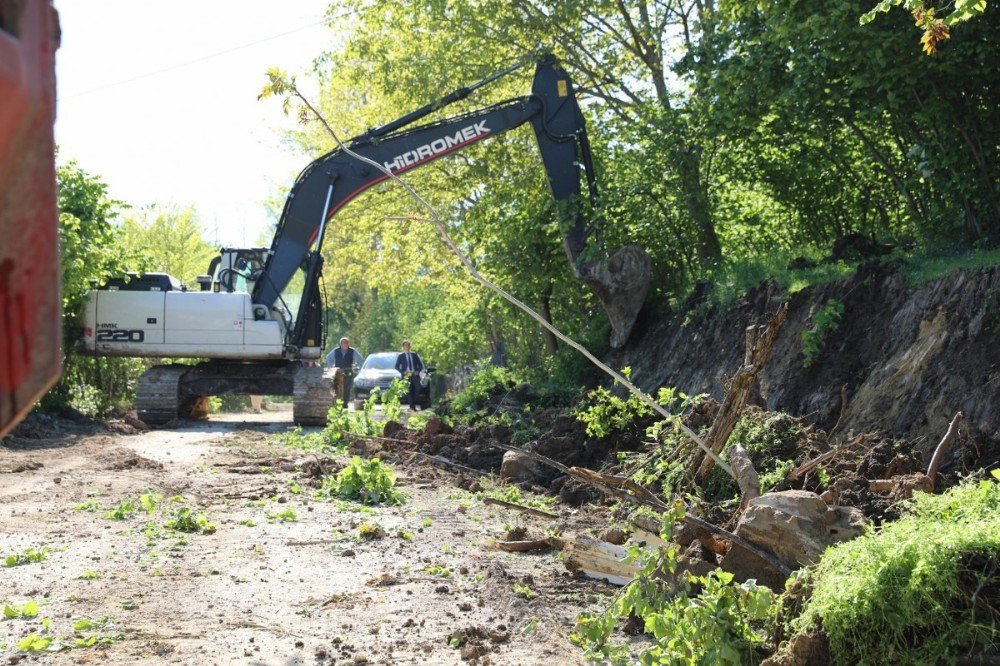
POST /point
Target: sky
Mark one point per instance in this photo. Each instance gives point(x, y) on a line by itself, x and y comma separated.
point(159, 99)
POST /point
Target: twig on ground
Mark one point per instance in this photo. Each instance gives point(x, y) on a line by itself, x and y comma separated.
point(520, 507)
point(527, 546)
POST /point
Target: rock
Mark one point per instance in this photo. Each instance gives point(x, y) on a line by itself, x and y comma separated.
point(615, 535)
point(796, 526)
point(517, 467)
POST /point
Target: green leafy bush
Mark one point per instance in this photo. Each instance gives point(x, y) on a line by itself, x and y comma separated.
point(29, 556)
point(487, 383)
point(366, 481)
point(825, 321)
point(705, 620)
point(921, 590)
point(185, 519)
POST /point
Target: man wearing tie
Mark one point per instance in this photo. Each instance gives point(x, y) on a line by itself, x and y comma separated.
point(409, 365)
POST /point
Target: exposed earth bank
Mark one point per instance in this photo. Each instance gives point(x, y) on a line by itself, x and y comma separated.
point(907, 358)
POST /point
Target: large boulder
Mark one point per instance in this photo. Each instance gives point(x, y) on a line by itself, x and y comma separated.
point(796, 526)
point(517, 467)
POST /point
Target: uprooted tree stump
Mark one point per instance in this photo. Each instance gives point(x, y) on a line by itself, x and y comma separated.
point(760, 345)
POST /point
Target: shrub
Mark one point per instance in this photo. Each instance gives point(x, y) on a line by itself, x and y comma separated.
point(825, 321)
point(367, 481)
point(920, 590)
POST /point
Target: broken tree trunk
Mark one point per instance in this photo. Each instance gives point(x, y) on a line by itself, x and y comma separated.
point(760, 344)
point(746, 475)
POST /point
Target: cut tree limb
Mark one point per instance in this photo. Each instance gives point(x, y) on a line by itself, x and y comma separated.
point(943, 447)
point(759, 346)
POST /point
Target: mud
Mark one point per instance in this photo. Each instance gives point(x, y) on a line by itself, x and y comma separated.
point(259, 590)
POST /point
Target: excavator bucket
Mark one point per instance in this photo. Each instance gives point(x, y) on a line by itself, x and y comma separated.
point(30, 333)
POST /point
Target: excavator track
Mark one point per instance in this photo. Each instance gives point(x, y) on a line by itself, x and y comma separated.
point(312, 396)
point(158, 396)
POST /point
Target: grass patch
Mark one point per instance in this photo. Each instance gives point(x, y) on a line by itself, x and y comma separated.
point(921, 590)
point(936, 263)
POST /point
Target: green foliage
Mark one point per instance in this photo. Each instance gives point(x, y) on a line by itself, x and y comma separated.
point(366, 481)
point(185, 519)
point(35, 642)
point(515, 495)
point(284, 516)
point(128, 507)
point(605, 413)
point(489, 382)
point(706, 620)
point(91, 506)
point(772, 477)
point(170, 238)
point(935, 263)
point(91, 249)
point(28, 556)
point(825, 321)
point(911, 591)
point(524, 591)
point(15, 612)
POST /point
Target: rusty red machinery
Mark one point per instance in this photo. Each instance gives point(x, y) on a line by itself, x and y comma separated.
point(30, 312)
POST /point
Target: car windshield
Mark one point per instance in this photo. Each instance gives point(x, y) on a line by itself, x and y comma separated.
point(383, 361)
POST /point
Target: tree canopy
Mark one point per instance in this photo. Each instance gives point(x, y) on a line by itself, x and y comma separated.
point(725, 133)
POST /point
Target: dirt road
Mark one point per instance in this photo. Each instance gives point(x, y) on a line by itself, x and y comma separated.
point(283, 579)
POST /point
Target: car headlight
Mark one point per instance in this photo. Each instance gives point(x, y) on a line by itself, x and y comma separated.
point(364, 383)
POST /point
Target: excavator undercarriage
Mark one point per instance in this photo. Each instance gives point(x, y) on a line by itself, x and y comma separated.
point(166, 392)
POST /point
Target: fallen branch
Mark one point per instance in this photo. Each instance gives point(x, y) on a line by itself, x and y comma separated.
point(810, 465)
point(520, 507)
point(943, 447)
point(527, 546)
point(444, 462)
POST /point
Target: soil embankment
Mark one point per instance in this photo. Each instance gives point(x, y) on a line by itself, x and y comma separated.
point(907, 358)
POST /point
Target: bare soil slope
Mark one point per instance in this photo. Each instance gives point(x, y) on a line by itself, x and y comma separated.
point(908, 357)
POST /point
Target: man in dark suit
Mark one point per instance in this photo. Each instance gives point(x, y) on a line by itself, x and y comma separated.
point(347, 359)
point(409, 365)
